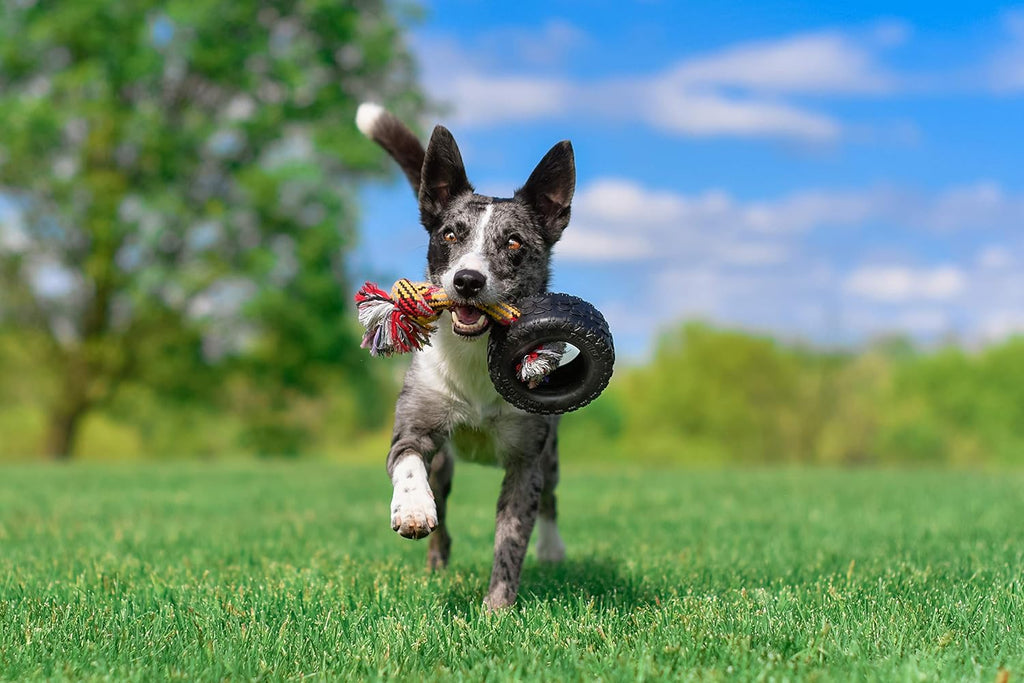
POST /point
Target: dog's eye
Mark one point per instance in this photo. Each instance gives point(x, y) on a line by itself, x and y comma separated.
point(449, 236)
point(514, 243)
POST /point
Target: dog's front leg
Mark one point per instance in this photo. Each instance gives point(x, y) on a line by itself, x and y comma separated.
point(413, 511)
point(415, 440)
point(517, 513)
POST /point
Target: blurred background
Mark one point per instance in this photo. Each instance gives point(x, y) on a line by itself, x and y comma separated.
point(804, 223)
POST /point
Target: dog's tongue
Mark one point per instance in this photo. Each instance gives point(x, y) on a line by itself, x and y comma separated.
point(467, 314)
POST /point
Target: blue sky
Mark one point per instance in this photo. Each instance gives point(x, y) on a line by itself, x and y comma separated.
point(827, 173)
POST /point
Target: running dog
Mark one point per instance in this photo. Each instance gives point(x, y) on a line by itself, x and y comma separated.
point(482, 250)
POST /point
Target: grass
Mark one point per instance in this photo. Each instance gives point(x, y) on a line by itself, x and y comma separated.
point(284, 570)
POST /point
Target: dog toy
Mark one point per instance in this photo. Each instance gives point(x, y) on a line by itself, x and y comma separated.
point(557, 357)
point(548, 354)
point(402, 321)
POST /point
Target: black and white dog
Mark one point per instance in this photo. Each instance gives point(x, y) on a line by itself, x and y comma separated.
point(482, 250)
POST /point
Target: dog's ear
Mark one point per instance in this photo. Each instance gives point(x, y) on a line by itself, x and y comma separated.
point(549, 189)
point(443, 177)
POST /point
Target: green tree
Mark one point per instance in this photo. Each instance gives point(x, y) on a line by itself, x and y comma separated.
point(957, 407)
point(718, 394)
point(181, 179)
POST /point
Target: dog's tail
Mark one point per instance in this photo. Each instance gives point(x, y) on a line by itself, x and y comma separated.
point(384, 128)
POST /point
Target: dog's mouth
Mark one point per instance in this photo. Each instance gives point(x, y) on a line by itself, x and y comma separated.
point(468, 321)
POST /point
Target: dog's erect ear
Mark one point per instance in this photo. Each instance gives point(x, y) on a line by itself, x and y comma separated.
point(442, 178)
point(550, 187)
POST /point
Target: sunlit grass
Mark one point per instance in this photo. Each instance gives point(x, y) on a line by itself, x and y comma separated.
point(287, 570)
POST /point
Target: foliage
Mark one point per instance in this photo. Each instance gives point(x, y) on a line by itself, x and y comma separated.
point(710, 388)
point(178, 178)
point(722, 396)
point(258, 571)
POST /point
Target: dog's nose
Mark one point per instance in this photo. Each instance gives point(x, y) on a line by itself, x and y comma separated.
point(468, 283)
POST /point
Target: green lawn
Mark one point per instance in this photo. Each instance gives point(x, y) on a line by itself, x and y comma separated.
point(291, 570)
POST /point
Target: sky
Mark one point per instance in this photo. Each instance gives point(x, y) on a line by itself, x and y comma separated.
point(825, 173)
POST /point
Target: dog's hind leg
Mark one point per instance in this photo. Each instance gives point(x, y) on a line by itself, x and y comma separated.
point(441, 469)
point(550, 547)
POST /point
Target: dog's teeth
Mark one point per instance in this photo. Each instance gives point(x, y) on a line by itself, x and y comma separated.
point(468, 329)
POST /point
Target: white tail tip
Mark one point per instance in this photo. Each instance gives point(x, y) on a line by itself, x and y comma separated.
point(367, 116)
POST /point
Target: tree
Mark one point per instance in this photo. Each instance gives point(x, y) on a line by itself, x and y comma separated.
point(717, 395)
point(182, 179)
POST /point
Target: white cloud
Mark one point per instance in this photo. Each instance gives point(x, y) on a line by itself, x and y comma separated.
point(480, 99)
point(1006, 71)
point(757, 254)
point(693, 97)
point(889, 33)
point(827, 62)
point(983, 205)
point(924, 321)
point(674, 108)
point(914, 320)
point(995, 257)
point(619, 220)
point(616, 219)
point(897, 284)
point(704, 291)
point(785, 301)
point(545, 47)
point(597, 247)
point(806, 210)
point(622, 200)
point(548, 44)
point(1000, 324)
point(741, 90)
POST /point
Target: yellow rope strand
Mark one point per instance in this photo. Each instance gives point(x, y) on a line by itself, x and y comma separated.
point(409, 294)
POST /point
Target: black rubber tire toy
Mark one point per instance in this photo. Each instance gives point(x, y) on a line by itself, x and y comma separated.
point(553, 318)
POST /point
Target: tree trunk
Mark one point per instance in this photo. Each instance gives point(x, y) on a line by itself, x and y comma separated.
point(62, 429)
point(68, 409)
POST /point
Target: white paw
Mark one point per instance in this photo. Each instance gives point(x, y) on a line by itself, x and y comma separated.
point(413, 511)
point(497, 602)
point(550, 547)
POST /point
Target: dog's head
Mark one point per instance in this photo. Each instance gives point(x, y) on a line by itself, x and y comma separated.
point(485, 250)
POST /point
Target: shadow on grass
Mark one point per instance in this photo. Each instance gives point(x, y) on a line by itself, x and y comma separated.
point(599, 580)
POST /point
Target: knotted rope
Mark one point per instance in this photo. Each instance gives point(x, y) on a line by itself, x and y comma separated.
point(402, 321)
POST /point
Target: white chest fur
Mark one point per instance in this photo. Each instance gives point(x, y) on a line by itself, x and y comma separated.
point(457, 368)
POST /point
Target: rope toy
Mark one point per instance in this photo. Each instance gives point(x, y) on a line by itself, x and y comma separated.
point(549, 354)
point(402, 321)
point(536, 366)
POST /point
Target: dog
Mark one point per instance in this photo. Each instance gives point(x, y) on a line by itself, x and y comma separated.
point(481, 250)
